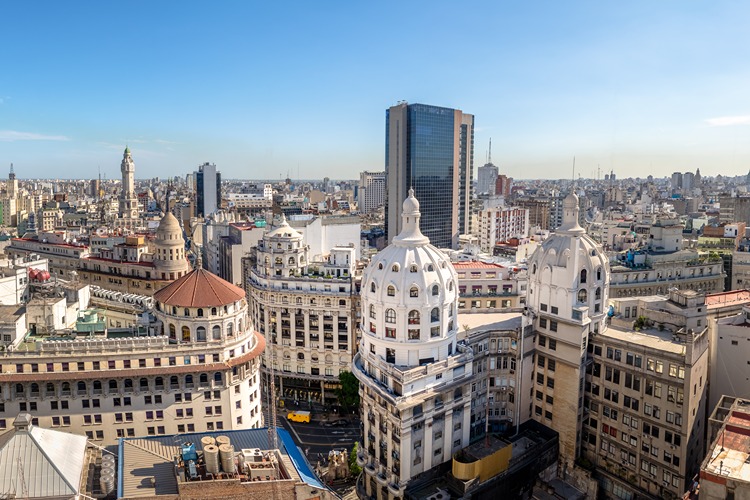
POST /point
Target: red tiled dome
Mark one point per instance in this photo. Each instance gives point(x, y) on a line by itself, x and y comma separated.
point(199, 288)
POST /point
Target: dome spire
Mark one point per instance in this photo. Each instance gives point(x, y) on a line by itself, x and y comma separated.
point(570, 215)
point(410, 215)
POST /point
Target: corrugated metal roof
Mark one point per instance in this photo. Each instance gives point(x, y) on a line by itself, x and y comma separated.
point(51, 462)
point(151, 456)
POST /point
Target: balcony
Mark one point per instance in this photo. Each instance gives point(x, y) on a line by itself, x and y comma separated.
point(394, 488)
point(381, 478)
point(361, 459)
point(370, 469)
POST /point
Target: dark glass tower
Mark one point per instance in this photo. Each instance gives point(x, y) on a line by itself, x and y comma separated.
point(431, 149)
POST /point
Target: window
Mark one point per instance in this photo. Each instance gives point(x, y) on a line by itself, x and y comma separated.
point(552, 328)
point(583, 275)
point(391, 291)
point(553, 342)
point(582, 295)
point(435, 290)
point(390, 316)
point(413, 292)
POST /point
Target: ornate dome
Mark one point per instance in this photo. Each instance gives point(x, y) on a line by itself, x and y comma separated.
point(569, 273)
point(168, 225)
point(284, 230)
point(409, 292)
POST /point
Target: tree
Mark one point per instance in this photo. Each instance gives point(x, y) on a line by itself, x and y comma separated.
point(354, 469)
point(348, 393)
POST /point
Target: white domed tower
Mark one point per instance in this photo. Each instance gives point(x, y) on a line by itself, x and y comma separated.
point(567, 300)
point(169, 249)
point(282, 252)
point(414, 378)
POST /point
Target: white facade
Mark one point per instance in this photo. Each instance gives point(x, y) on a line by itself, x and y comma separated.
point(321, 234)
point(497, 225)
point(486, 177)
point(371, 191)
point(414, 378)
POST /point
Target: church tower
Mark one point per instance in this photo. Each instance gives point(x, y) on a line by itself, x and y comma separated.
point(415, 380)
point(568, 287)
point(128, 200)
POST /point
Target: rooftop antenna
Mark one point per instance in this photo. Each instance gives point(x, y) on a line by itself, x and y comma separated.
point(489, 154)
point(11, 168)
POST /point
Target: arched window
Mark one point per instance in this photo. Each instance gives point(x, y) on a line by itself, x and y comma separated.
point(431, 268)
point(127, 383)
point(187, 312)
point(213, 311)
point(372, 311)
point(200, 312)
point(97, 385)
point(598, 294)
point(174, 382)
point(328, 302)
point(413, 317)
point(582, 295)
point(583, 275)
point(413, 292)
point(172, 332)
point(81, 386)
point(435, 290)
point(301, 356)
point(291, 261)
point(113, 385)
point(174, 309)
point(394, 268)
point(50, 388)
point(35, 388)
point(239, 325)
point(533, 269)
point(372, 287)
point(66, 387)
point(159, 382)
point(200, 333)
point(450, 286)
point(390, 316)
point(217, 377)
point(143, 383)
point(19, 388)
point(203, 378)
point(185, 334)
point(279, 261)
point(188, 380)
point(298, 300)
point(435, 315)
point(229, 329)
point(598, 273)
point(216, 332)
point(380, 265)
point(413, 268)
point(391, 291)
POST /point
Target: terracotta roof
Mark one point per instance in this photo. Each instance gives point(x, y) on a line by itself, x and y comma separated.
point(199, 288)
point(722, 299)
point(476, 265)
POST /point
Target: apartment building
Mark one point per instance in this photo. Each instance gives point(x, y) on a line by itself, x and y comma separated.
point(307, 311)
point(194, 368)
point(645, 395)
point(488, 287)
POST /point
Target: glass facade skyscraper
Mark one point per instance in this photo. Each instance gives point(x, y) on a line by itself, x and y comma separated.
point(430, 148)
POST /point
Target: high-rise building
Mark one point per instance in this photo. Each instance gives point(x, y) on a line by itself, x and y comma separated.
point(503, 184)
point(415, 379)
point(208, 189)
point(430, 149)
point(487, 175)
point(371, 191)
point(567, 299)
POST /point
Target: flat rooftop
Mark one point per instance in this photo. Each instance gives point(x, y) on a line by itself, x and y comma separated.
point(650, 338)
point(489, 321)
point(729, 454)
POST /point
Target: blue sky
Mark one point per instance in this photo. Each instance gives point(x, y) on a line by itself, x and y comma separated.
point(266, 88)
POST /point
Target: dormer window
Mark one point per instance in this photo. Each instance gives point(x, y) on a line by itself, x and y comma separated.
point(414, 292)
point(582, 295)
point(394, 268)
point(583, 276)
point(391, 291)
point(435, 290)
point(413, 268)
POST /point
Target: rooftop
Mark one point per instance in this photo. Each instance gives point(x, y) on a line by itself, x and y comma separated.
point(723, 299)
point(648, 338)
point(729, 453)
point(199, 288)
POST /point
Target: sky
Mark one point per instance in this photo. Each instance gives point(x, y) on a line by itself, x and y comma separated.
point(270, 89)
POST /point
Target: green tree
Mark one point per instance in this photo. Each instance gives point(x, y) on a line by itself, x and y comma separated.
point(354, 469)
point(348, 393)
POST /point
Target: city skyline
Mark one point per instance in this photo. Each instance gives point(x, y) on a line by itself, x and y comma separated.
point(643, 89)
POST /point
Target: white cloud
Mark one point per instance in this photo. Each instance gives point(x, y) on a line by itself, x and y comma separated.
point(728, 121)
point(14, 135)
